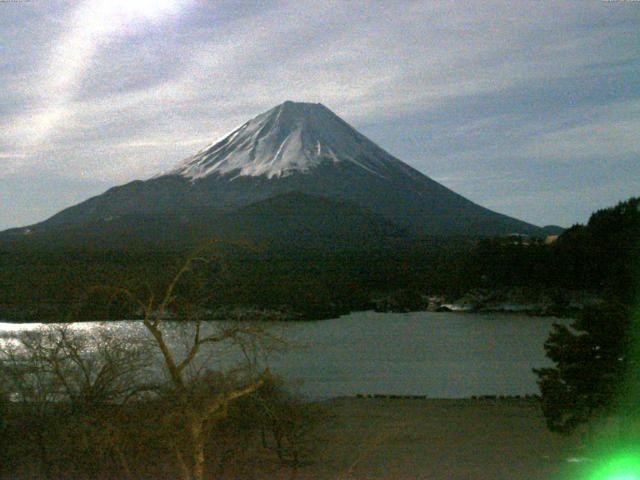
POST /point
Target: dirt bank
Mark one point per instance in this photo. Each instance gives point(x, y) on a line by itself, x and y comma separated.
point(438, 439)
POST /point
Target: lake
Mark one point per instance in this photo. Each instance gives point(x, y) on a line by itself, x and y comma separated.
point(441, 355)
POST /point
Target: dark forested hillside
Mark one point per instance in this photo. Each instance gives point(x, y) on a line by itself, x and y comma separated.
point(305, 276)
point(599, 257)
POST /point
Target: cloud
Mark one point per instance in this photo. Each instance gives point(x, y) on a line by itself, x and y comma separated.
point(478, 89)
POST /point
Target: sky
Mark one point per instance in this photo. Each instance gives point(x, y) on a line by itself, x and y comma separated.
point(530, 108)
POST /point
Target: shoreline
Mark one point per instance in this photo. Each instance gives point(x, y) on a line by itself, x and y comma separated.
point(472, 311)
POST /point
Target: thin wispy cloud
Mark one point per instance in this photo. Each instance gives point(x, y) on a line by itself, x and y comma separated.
point(90, 26)
point(463, 91)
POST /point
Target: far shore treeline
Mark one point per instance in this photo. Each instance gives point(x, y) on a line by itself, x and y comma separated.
point(44, 280)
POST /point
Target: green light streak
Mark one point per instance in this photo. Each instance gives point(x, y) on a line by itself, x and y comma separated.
point(622, 462)
point(621, 467)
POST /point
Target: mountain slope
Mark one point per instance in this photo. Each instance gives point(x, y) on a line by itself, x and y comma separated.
point(284, 221)
point(297, 147)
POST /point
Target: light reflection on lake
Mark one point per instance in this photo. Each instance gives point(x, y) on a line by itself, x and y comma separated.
point(442, 355)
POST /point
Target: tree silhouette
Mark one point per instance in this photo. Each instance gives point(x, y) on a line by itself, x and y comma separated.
point(197, 398)
point(594, 360)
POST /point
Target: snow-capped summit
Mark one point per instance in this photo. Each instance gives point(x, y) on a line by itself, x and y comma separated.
point(292, 137)
point(301, 151)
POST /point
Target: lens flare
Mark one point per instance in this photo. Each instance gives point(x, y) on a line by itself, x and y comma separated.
point(621, 467)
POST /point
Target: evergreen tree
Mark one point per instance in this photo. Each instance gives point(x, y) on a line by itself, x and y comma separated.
point(594, 365)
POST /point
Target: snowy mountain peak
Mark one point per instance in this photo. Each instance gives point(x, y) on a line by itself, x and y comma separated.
point(293, 137)
point(293, 149)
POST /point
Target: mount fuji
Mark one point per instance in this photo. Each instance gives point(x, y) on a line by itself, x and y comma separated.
point(296, 159)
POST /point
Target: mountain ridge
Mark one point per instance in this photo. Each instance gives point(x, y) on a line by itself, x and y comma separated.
point(298, 147)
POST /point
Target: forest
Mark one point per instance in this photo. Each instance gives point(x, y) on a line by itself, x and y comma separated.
point(301, 283)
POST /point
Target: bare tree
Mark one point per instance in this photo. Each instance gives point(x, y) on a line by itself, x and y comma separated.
point(197, 397)
point(29, 382)
point(94, 374)
point(3, 417)
point(84, 375)
point(289, 421)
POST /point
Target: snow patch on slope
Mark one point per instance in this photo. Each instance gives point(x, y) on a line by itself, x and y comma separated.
point(290, 138)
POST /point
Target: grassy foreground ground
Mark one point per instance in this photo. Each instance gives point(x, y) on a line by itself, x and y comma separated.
point(376, 438)
point(367, 438)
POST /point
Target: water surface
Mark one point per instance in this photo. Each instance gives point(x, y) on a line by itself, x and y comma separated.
point(442, 355)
